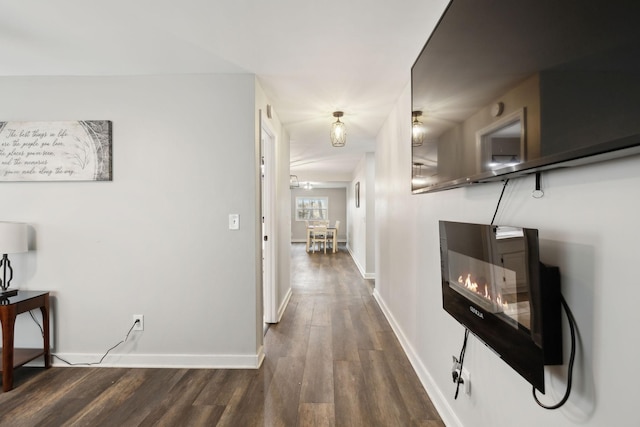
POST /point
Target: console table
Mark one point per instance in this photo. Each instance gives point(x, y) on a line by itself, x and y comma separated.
point(14, 357)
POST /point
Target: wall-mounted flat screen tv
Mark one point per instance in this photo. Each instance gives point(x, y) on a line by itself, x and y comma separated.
point(503, 88)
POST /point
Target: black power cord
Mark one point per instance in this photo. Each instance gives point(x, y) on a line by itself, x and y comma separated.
point(572, 325)
point(37, 323)
point(463, 350)
point(499, 200)
point(88, 363)
point(572, 357)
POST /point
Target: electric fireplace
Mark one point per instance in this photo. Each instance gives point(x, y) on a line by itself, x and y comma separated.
point(494, 284)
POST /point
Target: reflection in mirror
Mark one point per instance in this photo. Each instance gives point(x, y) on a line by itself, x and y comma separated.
point(502, 144)
point(417, 130)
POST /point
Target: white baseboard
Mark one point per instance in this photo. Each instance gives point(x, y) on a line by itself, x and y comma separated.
point(190, 361)
point(364, 274)
point(435, 393)
point(284, 305)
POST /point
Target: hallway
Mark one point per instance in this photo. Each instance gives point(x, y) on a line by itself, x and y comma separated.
point(337, 353)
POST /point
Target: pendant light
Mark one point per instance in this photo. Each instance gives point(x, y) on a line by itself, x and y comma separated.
point(338, 131)
point(417, 130)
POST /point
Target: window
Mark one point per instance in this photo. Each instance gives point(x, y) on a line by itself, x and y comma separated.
point(312, 208)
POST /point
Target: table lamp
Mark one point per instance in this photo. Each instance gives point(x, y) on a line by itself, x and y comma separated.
point(13, 239)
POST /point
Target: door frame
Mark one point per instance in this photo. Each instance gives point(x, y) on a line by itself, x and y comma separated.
point(268, 215)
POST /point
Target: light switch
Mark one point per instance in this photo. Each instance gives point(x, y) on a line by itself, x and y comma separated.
point(234, 221)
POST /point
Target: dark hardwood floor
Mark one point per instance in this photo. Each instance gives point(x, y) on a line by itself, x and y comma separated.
point(333, 360)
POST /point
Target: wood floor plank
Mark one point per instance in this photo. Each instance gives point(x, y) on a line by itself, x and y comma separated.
point(186, 415)
point(316, 415)
point(283, 396)
point(41, 388)
point(414, 396)
point(321, 311)
point(100, 411)
point(179, 390)
point(351, 405)
point(317, 381)
point(246, 406)
point(385, 400)
point(375, 315)
point(344, 337)
point(222, 386)
point(82, 384)
point(160, 385)
point(367, 336)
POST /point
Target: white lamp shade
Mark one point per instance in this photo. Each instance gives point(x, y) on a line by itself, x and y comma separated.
point(13, 237)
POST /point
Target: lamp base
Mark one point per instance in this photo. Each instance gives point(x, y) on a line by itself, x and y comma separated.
point(8, 293)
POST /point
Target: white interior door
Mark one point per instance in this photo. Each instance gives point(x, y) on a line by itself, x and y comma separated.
point(268, 225)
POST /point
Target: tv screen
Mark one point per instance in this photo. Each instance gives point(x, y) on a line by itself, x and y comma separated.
point(494, 284)
point(505, 88)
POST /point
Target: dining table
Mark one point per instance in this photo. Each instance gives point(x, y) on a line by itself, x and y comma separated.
point(330, 229)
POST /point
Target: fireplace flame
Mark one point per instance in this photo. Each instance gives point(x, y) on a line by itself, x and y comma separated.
point(473, 286)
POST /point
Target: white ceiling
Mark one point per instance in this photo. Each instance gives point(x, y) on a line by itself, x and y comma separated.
point(312, 57)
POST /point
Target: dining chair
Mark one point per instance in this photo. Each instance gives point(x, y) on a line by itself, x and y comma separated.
point(334, 237)
point(319, 235)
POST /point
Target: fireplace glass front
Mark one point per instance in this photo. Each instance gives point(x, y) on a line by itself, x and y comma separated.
point(492, 287)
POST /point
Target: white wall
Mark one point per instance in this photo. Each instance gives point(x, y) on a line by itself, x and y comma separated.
point(155, 241)
point(588, 227)
point(360, 233)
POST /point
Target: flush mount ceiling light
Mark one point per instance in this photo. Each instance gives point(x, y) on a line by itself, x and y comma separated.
point(417, 130)
point(338, 131)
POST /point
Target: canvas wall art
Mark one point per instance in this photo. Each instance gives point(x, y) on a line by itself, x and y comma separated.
point(56, 151)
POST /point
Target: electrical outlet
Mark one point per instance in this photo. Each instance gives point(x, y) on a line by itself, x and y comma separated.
point(138, 319)
point(466, 381)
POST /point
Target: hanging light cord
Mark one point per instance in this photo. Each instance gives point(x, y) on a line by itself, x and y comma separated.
point(572, 327)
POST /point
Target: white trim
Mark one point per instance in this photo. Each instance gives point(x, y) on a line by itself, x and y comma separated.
point(446, 412)
point(268, 144)
point(363, 273)
point(260, 356)
point(189, 361)
point(284, 304)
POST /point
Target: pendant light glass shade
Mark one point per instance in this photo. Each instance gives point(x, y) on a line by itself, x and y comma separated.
point(338, 131)
point(417, 130)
